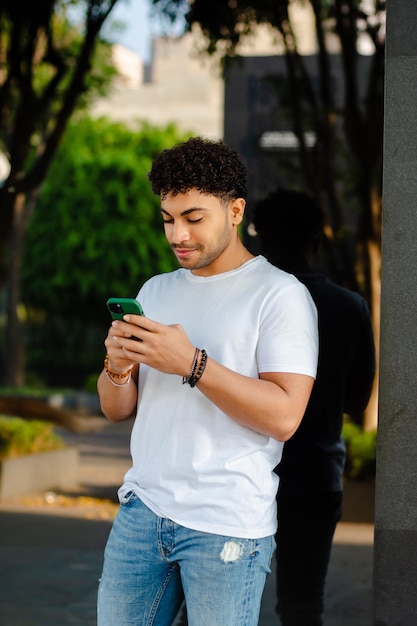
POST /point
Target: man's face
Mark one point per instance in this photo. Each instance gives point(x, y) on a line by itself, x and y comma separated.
point(199, 228)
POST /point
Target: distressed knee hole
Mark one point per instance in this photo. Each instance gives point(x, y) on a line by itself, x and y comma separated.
point(232, 551)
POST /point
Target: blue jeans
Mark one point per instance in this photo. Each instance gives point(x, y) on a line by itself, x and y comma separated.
point(151, 563)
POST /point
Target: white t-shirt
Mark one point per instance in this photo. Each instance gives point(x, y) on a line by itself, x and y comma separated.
point(191, 462)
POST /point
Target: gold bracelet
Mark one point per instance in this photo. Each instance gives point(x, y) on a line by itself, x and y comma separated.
point(110, 373)
point(127, 381)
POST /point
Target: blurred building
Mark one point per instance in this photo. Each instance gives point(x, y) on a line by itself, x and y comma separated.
point(182, 86)
point(175, 87)
point(186, 87)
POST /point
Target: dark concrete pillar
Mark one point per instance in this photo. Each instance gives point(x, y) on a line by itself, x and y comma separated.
point(395, 561)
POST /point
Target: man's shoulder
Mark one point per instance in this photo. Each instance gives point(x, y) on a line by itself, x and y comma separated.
point(268, 271)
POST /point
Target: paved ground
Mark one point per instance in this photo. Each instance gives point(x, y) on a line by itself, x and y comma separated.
point(51, 546)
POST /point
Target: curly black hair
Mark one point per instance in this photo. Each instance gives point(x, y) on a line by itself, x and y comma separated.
point(209, 166)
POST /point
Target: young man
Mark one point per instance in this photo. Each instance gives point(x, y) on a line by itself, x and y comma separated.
point(290, 227)
point(218, 375)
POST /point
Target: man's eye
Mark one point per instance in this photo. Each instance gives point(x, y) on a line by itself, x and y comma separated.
point(195, 221)
point(168, 221)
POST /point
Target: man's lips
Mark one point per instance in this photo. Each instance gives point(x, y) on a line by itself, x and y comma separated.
point(184, 253)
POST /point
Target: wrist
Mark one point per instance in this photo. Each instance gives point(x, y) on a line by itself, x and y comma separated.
point(186, 379)
point(119, 382)
point(201, 366)
point(112, 373)
point(197, 368)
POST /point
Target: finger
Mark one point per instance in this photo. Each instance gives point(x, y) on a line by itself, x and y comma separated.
point(118, 332)
point(125, 329)
point(131, 332)
point(143, 322)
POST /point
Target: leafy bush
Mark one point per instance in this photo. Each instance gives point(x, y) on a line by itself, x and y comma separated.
point(360, 451)
point(90, 385)
point(97, 229)
point(96, 232)
point(19, 437)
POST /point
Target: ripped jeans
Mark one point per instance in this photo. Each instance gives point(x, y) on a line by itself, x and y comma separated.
point(151, 563)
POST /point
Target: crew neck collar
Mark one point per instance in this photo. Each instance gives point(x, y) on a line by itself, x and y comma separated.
point(223, 275)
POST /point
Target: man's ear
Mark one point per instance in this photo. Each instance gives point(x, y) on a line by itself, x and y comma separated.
point(237, 210)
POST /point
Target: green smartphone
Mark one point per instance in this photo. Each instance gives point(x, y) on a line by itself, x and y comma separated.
point(120, 306)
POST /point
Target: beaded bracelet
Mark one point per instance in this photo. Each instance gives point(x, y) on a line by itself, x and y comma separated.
point(186, 379)
point(114, 374)
point(194, 380)
point(126, 382)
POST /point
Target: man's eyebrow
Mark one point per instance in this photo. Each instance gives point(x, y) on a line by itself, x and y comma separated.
point(186, 212)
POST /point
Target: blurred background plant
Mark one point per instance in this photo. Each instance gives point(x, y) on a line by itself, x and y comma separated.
point(96, 233)
point(79, 186)
point(19, 437)
point(360, 451)
point(50, 66)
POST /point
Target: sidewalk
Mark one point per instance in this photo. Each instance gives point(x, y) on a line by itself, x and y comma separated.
point(51, 548)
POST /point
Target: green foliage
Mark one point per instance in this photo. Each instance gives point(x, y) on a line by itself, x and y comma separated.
point(360, 451)
point(50, 67)
point(19, 437)
point(47, 45)
point(69, 38)
point(96, 232)
point(90, 384)
point(97, 229)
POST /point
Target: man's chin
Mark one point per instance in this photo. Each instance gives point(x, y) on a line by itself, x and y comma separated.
point(191, 262)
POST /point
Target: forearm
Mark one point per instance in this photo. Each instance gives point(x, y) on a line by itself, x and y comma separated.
point(118, 402)
point(272, 404)
point(262, 404)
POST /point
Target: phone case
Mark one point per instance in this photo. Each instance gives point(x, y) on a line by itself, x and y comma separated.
point(120, 306)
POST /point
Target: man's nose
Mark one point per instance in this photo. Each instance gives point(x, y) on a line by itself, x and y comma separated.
point(180, 232)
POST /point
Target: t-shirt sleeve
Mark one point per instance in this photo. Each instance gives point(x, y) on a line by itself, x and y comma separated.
point(288, 337)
